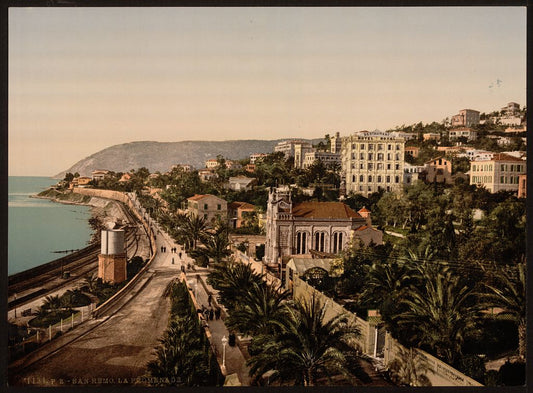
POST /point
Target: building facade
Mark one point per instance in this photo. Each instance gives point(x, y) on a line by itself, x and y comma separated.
point(372, 161)
point(210, 207)
point(502, 172)
point(467, 133)
point(439, 170)
point(522, 186)
point(287, 147)
point(465, 118)
point(298, 229)
point(329, 159)
point(237, 213)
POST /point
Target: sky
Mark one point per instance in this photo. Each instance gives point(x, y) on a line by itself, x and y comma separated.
point(83, 79)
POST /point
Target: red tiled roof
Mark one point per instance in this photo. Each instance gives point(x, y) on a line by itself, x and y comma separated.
point(505, 157)
point(323, 210)
point(240, 205)
point(363, 210)
point(196, 197)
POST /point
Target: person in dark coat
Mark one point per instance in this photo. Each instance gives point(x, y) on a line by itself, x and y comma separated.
point(211, 314)
point(217, 313)
point(209, 299)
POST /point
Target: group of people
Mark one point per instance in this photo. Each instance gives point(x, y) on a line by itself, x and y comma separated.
point(210, 313)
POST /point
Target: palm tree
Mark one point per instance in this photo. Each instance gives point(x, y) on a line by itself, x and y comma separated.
point(308, 347)
point(216, 245)
point(261, 311)
point(180, 356)
point(509, 292)
point(52, 302)
point(233, 281)
point(441, 311)
point(385, 281)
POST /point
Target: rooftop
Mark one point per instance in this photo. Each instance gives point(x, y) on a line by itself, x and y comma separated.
point(323, 210)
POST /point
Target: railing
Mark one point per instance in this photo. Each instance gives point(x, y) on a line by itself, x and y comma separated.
point(46, 334)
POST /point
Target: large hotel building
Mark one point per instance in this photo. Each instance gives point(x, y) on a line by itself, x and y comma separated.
point(372, 161)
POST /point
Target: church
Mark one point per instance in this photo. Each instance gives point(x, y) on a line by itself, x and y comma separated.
point(306, 228)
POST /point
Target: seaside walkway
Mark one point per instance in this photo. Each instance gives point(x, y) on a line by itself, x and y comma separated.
point(115, 348)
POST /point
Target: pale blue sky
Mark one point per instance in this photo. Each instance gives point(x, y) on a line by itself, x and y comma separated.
point(83, 79)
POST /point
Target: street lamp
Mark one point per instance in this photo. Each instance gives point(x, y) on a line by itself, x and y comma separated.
point(224, 342)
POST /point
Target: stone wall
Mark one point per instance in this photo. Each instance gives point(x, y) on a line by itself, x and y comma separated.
point(412, 366)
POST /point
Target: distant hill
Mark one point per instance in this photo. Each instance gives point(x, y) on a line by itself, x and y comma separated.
point(160, 156)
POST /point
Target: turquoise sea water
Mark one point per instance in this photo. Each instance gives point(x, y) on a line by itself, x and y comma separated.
point(37, 227)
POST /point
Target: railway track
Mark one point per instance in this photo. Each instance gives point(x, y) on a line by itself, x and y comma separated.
point(44, 279)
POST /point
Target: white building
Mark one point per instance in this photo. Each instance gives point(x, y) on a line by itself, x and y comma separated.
point(323, 227)
point(412, 173)
point(467, 133)
point(372, 161)
point(287, 147)
point(326, 157)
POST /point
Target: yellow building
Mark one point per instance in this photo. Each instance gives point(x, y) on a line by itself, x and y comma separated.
point(502, 172)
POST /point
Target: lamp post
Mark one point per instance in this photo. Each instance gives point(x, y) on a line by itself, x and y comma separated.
point(224, 342)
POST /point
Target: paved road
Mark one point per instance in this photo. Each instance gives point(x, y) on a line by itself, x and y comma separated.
point(121, 345)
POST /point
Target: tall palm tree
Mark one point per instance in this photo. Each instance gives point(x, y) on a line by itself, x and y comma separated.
point(508, 291)
point(52, 302)
point(233, 280)
point(308, 347)
point(262, 310)
point(441, 311)
point(216, 245)
point(180, 356)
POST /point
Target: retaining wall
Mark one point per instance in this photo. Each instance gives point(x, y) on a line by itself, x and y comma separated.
point(417, 366)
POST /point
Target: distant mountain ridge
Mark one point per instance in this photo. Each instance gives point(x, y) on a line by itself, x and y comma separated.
point(160, 156)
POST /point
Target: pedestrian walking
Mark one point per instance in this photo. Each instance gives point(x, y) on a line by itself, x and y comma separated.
point(217, 313)
point(209, 299)
point(206, 314)
point(211, 314)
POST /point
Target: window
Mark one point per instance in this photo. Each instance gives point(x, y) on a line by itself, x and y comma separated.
point(369, 188)
point(397, 166)
point(353, 156)
point(353, 178)
point(205, 206)
point(388, 179)
point(353, 146)
point(388, 166)
point(337, 242)
point(370, 156)
point(380, 146)
point(319, 241)
point(362, 156)
point(379, 179)
point(397, 179)
point(370, 146)
point(362, 146)
point(380, 156)
point(361, 166)
point(397, 156)
point(397, 146)
point(389, 156)
point(370, 178)
point(389, 147)
point(370, 166)
point(219, 207)
point(361, 178)
point(301, 242)
point(380, 166)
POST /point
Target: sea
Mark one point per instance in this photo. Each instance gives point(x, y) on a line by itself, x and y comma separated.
point(39, 227)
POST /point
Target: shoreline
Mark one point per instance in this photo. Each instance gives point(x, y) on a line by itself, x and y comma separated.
point(105, 210)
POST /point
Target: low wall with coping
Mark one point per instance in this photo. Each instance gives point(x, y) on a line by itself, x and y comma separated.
point(121, 197)
point(418, 368)
point(413, 366)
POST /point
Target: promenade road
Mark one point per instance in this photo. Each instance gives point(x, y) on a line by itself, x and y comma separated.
point(118, 347)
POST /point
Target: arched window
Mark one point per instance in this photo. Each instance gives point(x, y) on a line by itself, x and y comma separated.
point(337, 242)
point(320, 241)
point(301, 242)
